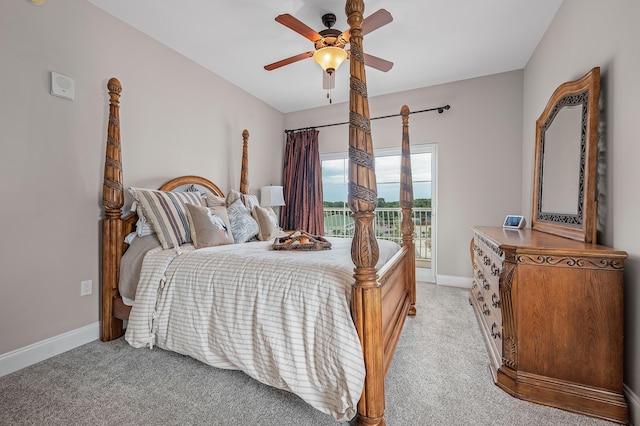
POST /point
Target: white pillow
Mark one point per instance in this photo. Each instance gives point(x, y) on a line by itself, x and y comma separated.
point(232, 196)
point(214, 200)
point(143, 229)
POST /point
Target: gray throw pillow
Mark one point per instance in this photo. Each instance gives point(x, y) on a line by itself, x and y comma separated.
point(243, 226)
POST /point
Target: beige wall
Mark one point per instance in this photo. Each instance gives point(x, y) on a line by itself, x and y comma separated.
point(479, 152)
point(585, 34)
point(177, 118)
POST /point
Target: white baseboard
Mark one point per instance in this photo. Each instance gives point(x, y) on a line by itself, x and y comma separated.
point(28, 355)
point(634, 405)
point(425, 275)
point(454, 281)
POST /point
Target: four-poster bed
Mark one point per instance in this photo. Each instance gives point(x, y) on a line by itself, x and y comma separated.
point(380, 299)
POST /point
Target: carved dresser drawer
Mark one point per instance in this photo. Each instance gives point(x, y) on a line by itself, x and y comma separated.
point(485, 298)
point(550, 310)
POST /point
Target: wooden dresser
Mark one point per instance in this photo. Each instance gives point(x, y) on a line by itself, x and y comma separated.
point(551, 313)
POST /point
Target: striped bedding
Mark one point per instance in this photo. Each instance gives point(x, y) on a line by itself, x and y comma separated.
point(282, 317)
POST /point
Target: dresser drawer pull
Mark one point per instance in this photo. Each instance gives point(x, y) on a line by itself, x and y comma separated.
point(480, 275)
point(487, 260)
point(495, 270)
point(495, 334)
point(479, 297)
point(495, 302)
point(475, 284)
point(485, 309)
point(485, 284)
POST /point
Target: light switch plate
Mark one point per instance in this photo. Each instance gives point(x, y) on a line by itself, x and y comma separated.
point(86, 288)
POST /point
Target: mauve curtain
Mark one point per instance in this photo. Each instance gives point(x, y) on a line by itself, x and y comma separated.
point(302, 183)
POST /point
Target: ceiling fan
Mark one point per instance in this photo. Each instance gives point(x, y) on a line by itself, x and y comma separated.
point(329, 43)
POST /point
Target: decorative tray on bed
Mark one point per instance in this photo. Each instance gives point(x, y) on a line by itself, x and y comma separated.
point(301, 240)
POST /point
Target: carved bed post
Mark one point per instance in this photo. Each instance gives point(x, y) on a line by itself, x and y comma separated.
point(244, 173)
point(406, 204)
point(112, 201)
point(366, 300)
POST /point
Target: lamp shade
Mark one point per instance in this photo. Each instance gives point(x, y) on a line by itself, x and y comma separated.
point(330, 58)
point(271, 196)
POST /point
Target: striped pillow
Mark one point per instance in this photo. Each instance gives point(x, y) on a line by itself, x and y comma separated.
point(167, 213)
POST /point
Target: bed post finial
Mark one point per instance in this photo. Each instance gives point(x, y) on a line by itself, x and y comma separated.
point(406, 180)
point(112, 201)
point(363, 197)
point(406, 205)
point(112, 189)
point(244, 173)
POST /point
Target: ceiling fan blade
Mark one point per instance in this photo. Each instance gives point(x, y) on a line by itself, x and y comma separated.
point(372, 22)
point(288, 61)
point(298, 26)
point(376, 20)
point(377, 63)
point(374, 62)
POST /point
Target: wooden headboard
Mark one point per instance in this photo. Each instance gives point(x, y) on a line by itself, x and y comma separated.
point(192, 180)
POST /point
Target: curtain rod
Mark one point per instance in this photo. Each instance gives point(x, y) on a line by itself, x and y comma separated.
point(439, 109)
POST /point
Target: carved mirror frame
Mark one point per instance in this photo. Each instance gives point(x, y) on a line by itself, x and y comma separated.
point(580, 225)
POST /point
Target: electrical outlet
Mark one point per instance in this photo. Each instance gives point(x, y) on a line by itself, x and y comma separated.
point(86, 287)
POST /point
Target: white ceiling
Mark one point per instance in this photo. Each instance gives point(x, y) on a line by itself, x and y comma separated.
point(429, 41)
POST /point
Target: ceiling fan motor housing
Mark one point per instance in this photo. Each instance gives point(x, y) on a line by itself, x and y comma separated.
point(330, 36)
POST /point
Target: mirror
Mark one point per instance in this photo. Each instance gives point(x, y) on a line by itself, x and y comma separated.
point(561, 161)
point(564, 191)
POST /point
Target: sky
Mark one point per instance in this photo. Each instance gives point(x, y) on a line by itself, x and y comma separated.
point(334, 177)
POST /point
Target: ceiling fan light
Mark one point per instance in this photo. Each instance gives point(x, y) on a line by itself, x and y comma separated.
point(330, 58)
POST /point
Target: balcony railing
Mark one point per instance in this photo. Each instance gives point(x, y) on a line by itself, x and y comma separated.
point(339, 223)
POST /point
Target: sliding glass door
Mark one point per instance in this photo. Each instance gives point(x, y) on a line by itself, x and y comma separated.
point(337, 216)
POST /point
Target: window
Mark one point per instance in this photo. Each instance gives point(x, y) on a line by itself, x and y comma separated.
point(337, 216)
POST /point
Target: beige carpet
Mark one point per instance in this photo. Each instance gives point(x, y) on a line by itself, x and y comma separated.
point(439, 376)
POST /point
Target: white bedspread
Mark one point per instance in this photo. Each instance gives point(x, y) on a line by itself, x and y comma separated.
point(282, 317)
